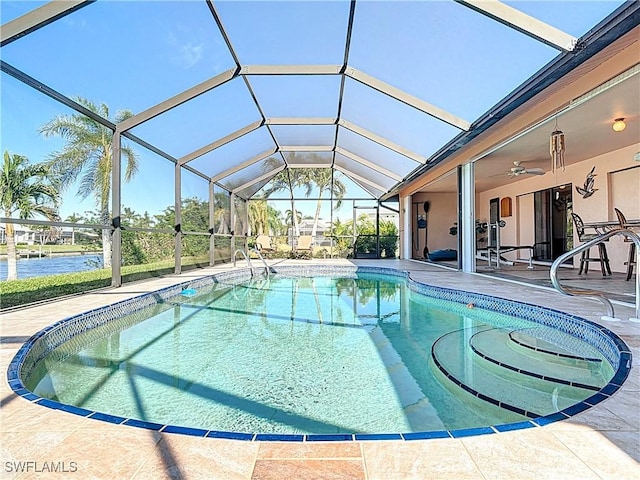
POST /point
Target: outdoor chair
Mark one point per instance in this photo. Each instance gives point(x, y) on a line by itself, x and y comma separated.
point(630, 263)
point(585, 257)
point(305, 244)
point(264, 244)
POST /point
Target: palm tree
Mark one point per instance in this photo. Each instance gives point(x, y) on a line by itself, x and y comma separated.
point(274, 220)
point(287, 180)
point(297, 178)
point(291, 219)
point(323, 179)
point(87, 155)
point(73, 218)
point(26, 190)
point(258, 217)
point(221, 212)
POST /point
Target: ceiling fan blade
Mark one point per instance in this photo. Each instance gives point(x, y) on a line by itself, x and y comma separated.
point(534, 171)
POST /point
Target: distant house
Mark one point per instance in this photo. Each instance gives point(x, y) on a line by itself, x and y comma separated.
point(322, 238)
point(23, 235)
point(386, 216)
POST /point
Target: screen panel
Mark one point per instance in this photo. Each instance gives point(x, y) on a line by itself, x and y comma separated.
point(130, 55)
point(309, 158)
point(394, 120)
point(418, 58)
point(297, 95)
point(304, 134)
point(202, 120)
point(376, 153)
point(234, 153)
point(287, 33)
point(150, 191)
point(250, 173)
point(364, 171)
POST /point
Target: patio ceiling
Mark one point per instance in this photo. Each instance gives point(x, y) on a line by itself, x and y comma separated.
point(617, 98)
point(372, 90)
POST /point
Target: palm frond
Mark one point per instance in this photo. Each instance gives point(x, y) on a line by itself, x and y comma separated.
point(27, 189)
point(86, 154)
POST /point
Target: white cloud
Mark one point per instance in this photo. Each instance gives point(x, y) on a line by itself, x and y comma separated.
point(191, 54)
point(71, 21)
point(184, 53)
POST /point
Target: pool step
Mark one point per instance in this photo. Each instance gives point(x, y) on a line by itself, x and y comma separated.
point(556, 346)
point(507, 388)
point(496, 347)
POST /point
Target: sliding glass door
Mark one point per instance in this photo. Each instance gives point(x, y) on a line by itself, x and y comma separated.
point(553, 225)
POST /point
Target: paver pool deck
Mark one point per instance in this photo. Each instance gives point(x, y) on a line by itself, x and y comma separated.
point(600, 443)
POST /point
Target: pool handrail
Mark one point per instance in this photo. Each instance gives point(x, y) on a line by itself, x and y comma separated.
point(248, 259)
point(266, 267)
point(592, 293)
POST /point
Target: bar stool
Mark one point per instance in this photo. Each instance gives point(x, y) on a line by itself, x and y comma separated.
point(630, 263)
point(585, 258)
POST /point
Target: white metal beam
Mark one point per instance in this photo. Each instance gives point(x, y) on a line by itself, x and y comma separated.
point(246, 163)
point(522, 22)
point(407, 99)
point(290, 69)
point(383, 141)
point(309, 165)
point(305, 148)
point(354, 176)
point(301, 121)
point(405, 228)
point(271, 173)
point(223, 31)
point(468, 217)
point(37, 18)
point(177, 100)
point(367, 163)
point(220, 142)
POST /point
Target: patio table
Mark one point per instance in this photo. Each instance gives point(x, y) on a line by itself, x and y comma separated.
point(602, 227)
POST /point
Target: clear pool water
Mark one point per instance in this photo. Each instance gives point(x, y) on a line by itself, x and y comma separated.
point(320, 355)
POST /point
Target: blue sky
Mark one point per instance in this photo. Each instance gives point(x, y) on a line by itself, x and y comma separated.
point(135, 54)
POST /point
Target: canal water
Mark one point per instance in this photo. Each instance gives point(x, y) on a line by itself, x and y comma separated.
point(39, 267)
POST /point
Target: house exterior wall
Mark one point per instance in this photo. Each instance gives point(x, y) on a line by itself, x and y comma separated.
point(618, 185)
point(443, 212)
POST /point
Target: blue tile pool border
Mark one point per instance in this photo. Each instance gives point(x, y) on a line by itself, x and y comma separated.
point(613, 348)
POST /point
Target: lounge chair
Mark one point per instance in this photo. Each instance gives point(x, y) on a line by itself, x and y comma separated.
point(264, 245)
point(305, 244)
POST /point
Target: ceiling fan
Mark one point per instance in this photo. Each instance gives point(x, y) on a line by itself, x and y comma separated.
point(518, 169)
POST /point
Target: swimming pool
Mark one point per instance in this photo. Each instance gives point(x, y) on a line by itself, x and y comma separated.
point(376, 352)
